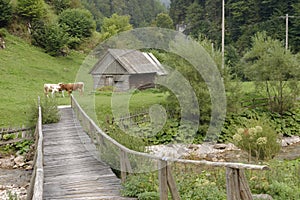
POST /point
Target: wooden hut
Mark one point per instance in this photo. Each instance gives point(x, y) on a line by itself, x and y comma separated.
point(126, 69)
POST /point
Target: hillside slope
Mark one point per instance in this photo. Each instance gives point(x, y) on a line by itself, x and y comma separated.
point(23, 70)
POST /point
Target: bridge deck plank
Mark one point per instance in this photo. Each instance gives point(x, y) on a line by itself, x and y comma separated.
point(71, 167)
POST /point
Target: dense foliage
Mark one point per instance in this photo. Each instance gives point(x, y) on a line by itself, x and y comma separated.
point(242, 20)
point(51, 37)
point(5, 12)
point(78, 23)
point(141, 12)
point(275, 71)
point(114, 25)
point(31, 9)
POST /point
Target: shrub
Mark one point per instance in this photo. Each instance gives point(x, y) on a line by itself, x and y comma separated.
point(141, 184)
point(79, 23)
point(5, 12)
point(31, 9)
point(149, 196)
point(258, 138)
point(50, 37)
point(50, 113)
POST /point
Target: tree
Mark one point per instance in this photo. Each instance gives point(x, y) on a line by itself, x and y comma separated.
point(78, 23)
point(275, 71)
point(114, 25)
point(31, 9)
point(52, 38)
point(163, 20)
point(61, 5)
point(5, 12)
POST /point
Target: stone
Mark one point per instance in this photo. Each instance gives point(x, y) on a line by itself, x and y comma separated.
point(29, 167)
point(6, 163)
point(29, 162)
point(19, 160)
point(262, 196)
point(220, 146)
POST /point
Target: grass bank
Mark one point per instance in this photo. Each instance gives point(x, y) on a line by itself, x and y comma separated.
point(24, 69)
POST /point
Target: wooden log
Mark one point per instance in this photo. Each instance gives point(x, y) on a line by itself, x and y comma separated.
point(244, 186)
point(163, 181)
point(237, 185)
point(172, 184)
point(231, 184)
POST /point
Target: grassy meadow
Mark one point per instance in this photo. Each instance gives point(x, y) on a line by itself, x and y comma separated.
point(23, 70)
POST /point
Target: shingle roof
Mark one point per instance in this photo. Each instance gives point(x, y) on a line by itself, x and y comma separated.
point(136, 62)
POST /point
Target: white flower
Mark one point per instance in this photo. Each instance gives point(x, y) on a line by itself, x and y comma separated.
point(261, 140)
point(240, 130)
point(258, 129)
point(237, 137)
point(252, 131)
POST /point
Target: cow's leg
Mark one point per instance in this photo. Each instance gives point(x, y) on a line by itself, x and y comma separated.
point(53, 91)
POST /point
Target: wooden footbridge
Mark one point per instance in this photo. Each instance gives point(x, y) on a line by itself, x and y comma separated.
point(74, 158)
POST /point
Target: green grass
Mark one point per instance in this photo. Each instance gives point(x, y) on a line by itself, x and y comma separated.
point(139, 101)
point(24, 69)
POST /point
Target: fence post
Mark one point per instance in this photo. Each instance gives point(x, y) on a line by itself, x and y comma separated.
point(163, 181)
point(172, 184)
point(122, 166)
point(237, 185)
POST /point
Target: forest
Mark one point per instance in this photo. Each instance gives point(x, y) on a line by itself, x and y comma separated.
point(242, 20)
point(201, 18)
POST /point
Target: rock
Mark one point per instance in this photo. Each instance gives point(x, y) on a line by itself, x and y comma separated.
point(29, 162)
point(220, 146)
point(290, 140)
point(29, 167)
point(19, 160)
point(12, 157)
point(6, 163)
point(262, 196)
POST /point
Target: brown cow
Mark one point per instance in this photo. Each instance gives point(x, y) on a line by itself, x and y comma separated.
point(69, 87)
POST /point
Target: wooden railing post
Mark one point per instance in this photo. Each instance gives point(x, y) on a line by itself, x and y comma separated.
point(237, 185)
point(172, 184)
point(124, 165)
point(163, 181)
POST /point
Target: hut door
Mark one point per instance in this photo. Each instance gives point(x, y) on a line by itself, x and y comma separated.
point(109, 81)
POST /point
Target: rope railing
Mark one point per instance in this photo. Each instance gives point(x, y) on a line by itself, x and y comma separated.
point(129, 161)
point(35, 190)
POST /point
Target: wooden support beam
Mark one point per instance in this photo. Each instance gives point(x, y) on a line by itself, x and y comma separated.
point(163, 181)
point(237, 185)
point(172, 184)
point(122, 166)
point(244, 186)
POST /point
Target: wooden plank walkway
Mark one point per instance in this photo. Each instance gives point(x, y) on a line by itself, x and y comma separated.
point(72, 169)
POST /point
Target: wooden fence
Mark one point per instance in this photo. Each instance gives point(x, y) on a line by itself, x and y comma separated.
point(35, 190)
point(12, 135)
point(137, 117)
point(128, 161)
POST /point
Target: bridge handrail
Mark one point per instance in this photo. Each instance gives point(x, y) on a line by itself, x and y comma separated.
point(35, 190)
point(237, 186)
point(127, 150)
